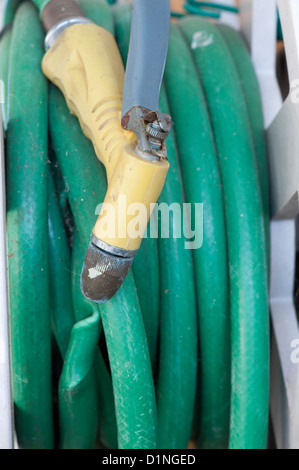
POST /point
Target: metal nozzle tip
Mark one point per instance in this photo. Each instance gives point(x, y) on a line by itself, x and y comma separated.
point(103, 273)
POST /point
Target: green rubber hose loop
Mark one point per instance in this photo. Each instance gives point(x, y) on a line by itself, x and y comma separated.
point(245, 235)
point(27, 221)
point(61, 305)
point(133, 386)
point(107, 430)
point(99, 12)
point(78, 401)
point(202, 184)
point(176, 386)
point(251, 92)
point(61, 191)
point(10, 11)
point(121, 317)
point(146, 275)
point(5, 42)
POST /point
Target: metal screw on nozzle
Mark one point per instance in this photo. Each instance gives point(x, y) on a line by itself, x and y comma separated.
point(156, 135)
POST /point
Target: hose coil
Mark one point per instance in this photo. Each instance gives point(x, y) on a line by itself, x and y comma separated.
point(182, 351)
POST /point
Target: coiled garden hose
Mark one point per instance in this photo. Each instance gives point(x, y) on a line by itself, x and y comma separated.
point(183, 346)
point(27, 222)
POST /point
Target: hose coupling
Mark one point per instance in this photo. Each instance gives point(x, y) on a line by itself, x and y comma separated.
point(58, 28)
point(57, 15)
point(104, 270)
point(151, 129)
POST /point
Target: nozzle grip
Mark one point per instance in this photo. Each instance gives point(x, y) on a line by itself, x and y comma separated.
point(85, 64)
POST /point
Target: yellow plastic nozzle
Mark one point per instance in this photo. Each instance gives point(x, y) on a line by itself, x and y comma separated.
point(85, 64)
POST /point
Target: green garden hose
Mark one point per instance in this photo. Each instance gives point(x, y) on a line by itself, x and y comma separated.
point(61, 304)
point(176, 386)
point(186, 337)
point(10, 11)
point(250, 88)
point(146, 274)
point(100, 15)
point(245, 237)
point(198, 157)
point(27, 222)
point(78, 397)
